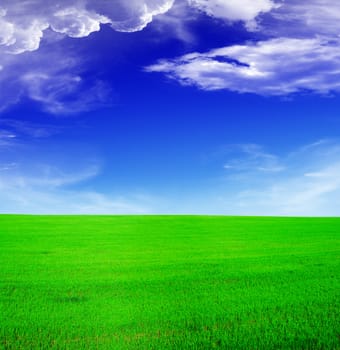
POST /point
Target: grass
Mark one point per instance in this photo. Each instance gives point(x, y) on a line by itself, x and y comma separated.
point(169, 282)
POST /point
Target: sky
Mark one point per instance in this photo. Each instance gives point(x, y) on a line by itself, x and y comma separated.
point(170, 107)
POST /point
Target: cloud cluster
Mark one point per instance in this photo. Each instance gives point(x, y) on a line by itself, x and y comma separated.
point(56, 83)
point(22, 27)
point(273, 67)
point(301, 53)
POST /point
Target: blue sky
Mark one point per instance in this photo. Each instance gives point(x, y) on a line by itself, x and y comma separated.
point(160, 106)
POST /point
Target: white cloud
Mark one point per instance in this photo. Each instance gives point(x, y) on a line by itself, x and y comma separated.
point(234, 10)
point(64, 93)
point(55, 84)
point(22, 27)
point(133, 15)
point(19, 34)
point(176, 23)
point(301, 52)
point(305, 18)
point(75, 22)
point(279, 66)
point(273, 67)
point(314, 196)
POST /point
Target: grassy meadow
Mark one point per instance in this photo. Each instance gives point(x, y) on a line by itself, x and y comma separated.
point(169, 282)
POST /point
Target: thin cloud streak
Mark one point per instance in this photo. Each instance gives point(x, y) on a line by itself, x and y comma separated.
point(308, 185)
point(252, 157)
point(51, 192)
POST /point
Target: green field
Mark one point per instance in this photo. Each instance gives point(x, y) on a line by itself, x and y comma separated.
point(169, 282)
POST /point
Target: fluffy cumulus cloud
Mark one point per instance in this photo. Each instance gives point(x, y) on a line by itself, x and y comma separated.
point(57, 83)
point(18, 34)
point(22, 27)
point(133, 15)
point(233, 10)
point(278, 66)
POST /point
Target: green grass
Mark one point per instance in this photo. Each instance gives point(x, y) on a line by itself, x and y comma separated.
point(169, 282)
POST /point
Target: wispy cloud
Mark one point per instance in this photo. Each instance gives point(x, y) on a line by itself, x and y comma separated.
point(253, 181)
point(7, 166)
point(50, 190)
point(64, 92)
point(33, 181)
point(12, 127)
point(252, 157)
point(307, 184)
point(7, 139)
point(56, 84)
point(304, 18)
